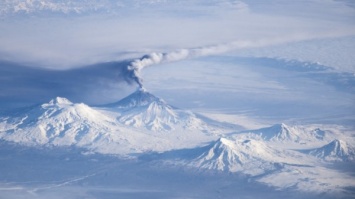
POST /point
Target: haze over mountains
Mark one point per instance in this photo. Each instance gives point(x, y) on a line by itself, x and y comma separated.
point(172, 99)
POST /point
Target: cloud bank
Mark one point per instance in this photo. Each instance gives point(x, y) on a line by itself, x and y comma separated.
point(68, 34)
point(136, 66)
point(156, 58)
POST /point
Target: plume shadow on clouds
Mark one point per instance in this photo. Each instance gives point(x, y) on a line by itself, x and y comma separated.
point(22, 85)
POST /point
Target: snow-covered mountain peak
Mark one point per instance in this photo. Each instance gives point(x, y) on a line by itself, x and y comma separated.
point(295, 134)
point(280, 127)
point(249, 156)
point(142, 89)
point(278, 132)
point(60, 101)
point(337, 150)
point(143, 109)
point(141, 97)
point(224, 141)
point(59, 122)
point(219, 147)
point(337, 144)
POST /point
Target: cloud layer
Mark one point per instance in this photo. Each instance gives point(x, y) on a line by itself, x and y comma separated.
point(101, 31)
point(136, 66)
point(72, 37)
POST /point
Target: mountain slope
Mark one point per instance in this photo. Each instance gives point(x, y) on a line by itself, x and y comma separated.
point(250, 157)
point(142, 109)
point(59, 122)
point(63, 123)
point(337, 150)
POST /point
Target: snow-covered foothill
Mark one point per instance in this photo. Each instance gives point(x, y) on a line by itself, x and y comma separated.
point(292, 135)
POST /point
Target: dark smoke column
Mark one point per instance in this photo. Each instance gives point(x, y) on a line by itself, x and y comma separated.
point(135, 67)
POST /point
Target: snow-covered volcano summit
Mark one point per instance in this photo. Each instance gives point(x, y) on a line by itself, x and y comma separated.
point(251, 157)
point(58, 122)
point(143, 109)
point(337, 150)
point(63, 123)
point(141, 97)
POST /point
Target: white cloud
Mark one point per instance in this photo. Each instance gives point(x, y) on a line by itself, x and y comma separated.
point(156, 58)
point(141, 27)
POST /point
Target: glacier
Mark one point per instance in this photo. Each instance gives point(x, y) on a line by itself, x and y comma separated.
point(174, 139)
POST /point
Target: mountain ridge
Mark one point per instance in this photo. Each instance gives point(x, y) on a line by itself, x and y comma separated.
point(289, 134)
point(60, 122)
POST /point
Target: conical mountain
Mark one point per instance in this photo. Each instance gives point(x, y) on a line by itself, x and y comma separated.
point(337, 150)
point(250, 157)
point(143, 109)
point(141, 97)
point(279, 132)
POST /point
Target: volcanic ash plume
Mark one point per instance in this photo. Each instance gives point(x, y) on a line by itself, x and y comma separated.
point(154, 58)
point(135, 67)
